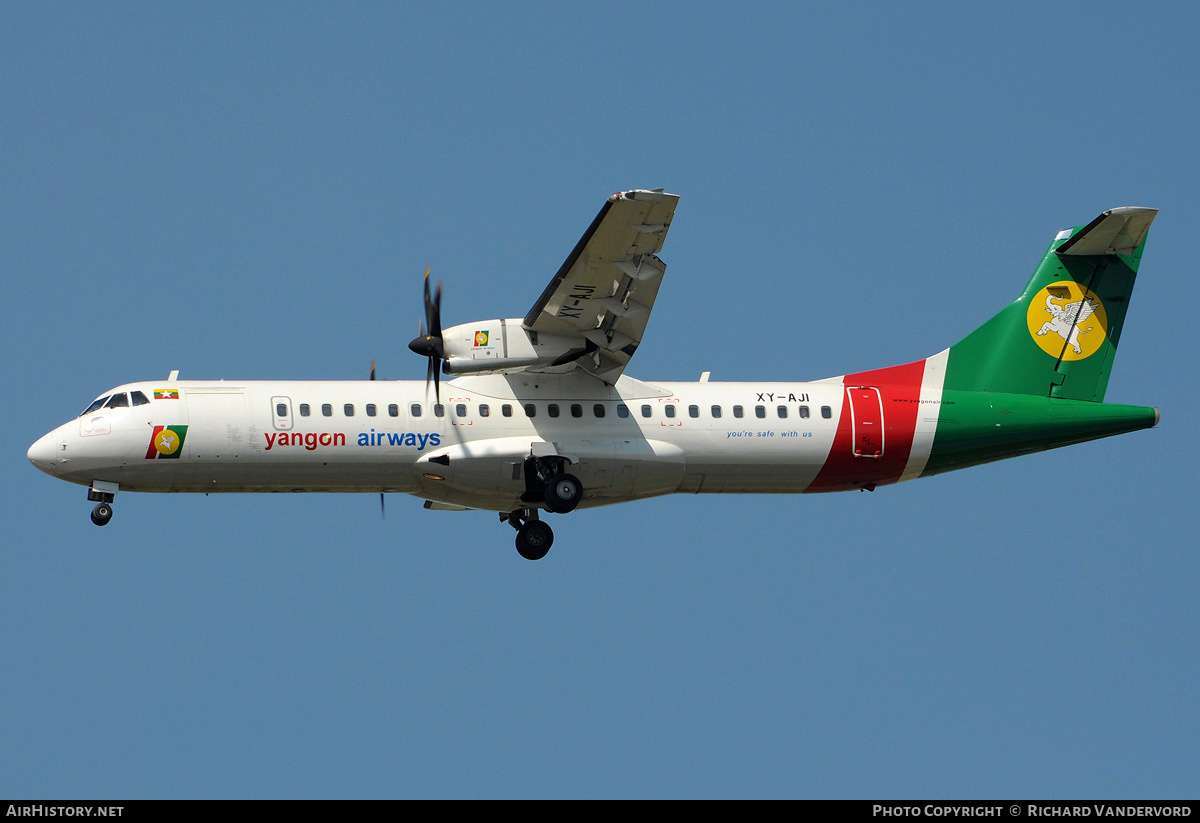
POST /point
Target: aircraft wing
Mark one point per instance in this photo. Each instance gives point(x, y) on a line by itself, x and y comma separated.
point(604, 291)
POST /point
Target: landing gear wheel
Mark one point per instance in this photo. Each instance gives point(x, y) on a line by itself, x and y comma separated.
point(534, 539)
point(563, 493)
point(102, 514)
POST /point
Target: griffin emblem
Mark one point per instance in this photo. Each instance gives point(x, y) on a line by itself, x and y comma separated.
point(1064, 320)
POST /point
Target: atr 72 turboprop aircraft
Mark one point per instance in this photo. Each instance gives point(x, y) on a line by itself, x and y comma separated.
point(541, 416)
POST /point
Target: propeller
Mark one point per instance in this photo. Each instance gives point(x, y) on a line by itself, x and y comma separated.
point(429, 344)
point(382, 506)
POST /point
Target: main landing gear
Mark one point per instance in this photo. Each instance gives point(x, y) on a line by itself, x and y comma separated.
point(547, 482)
point(563, 493)
point(534, 538)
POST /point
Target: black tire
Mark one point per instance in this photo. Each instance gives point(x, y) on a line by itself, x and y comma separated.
point(563, 493)
point(534, 539)
point(102, 514)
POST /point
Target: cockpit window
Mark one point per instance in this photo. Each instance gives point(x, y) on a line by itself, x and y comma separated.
point(139, 399)
point(118, 401)
point(97, 403)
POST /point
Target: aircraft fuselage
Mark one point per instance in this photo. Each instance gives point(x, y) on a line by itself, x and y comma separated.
point(626, 442)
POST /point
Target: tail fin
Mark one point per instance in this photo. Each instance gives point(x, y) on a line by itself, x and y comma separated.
point(1059, 338)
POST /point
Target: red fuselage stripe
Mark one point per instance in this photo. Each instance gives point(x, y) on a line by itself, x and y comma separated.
point(900, 390)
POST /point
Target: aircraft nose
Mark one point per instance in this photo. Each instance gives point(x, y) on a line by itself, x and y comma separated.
point(44, 452)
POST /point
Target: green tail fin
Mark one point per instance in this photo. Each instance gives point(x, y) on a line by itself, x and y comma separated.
point(1059, 338)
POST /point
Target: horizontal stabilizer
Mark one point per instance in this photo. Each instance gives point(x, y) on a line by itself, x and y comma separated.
point(1117, 231)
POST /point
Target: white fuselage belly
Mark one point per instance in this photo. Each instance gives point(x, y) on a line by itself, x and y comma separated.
point(237, 441)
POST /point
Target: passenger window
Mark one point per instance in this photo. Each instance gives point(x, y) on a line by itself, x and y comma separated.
point(598, 409)
point(348, 409)
point(506, 410)
point(693, 411)
point(118, 401)
point(415, 409)
point(804, 412)
point(530, 410)
point(281, 409)
point(670, 409)
point(439, 410)
point(304, 410)
point(484, 411)
point(782, 411)
point(327, 409)
point(716, 412)
point(552, 410)
point(393, 410)
point(460, 409)
point(370, 410)
point(737, 411)
point(760, 411)
point(646, 411)
point(576, 410)
point(622, 411)
point(139, 399)
point(826, 412)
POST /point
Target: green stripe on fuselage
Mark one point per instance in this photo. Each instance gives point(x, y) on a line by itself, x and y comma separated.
point(979, 427)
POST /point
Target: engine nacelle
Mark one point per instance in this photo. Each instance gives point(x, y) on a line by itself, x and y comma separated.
point(505, 346)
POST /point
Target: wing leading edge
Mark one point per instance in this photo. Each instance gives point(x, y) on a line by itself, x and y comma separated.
point(603, 293)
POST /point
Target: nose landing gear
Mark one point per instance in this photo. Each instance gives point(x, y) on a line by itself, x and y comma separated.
point(102, 514)
point(102, 493)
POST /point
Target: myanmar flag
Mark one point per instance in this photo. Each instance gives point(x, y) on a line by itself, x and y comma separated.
point(166, 394)
point(166, 442)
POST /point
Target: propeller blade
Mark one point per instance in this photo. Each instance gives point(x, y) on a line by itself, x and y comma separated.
point(430, 343)
point(382, 509)
point(433, 308)
point(434, 373)
point(372, 369)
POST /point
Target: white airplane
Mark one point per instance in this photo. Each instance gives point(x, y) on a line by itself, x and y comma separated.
point(540, 416)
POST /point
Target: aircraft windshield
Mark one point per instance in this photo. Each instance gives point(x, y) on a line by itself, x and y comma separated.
point(97, 403)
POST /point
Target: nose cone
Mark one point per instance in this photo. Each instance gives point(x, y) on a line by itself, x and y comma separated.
point(44, 452)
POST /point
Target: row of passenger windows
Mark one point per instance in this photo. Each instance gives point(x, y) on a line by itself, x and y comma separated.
point(598, 410)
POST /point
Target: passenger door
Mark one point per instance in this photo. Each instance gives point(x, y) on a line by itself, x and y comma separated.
point(866, 421)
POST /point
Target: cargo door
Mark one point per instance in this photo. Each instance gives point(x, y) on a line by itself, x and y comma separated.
point(218, 426)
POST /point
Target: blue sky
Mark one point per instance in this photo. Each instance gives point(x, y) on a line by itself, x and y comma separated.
point(254, 192)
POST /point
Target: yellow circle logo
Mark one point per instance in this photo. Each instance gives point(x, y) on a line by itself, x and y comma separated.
point(1067, 320)
point(166, 442)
